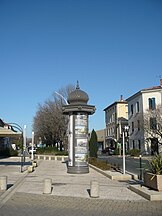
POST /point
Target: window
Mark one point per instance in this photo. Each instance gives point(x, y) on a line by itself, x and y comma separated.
point(139, 144)
point(138, 125)
point(153, 124)
point(152, 104)
point(113, 117)
point(132, 109)
point(133, 144)
point(137, 107)
point(132, 127)
point(109, 132)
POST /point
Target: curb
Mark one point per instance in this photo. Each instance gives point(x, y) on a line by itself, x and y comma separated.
point(112, 175)
point(145, 192)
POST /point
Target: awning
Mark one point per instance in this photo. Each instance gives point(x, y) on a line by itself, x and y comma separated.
point(8, 133)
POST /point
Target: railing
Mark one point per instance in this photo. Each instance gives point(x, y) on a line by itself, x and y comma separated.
point(51, 157)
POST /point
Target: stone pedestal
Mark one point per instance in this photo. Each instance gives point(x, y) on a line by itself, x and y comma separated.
point(78, 170)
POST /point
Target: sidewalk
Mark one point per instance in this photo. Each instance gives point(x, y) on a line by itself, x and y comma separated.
point(64, 184)
point(70, 193)
point(11, 167)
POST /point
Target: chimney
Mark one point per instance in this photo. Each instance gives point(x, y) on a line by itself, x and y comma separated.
point(161, 82)
point(121, 97)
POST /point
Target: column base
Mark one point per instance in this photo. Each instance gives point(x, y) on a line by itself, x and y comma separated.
point(78, 169)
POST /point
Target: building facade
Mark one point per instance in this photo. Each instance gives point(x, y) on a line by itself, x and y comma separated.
point(7, 133)
point(101, 139)
point(116, 117)
point(138, 104)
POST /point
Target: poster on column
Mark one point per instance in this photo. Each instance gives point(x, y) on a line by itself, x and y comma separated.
point(81, 141)
point(81, 124)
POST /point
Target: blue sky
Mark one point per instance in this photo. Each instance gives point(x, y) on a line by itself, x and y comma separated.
point(112, 47)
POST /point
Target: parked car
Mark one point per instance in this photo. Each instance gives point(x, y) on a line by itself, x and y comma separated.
point(109, 150)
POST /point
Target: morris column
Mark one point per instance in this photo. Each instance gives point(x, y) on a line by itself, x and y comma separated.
point(78, 111)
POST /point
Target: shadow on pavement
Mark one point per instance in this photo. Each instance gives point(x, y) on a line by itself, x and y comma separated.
point(13, 163)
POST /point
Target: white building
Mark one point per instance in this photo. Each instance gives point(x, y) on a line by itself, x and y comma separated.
point(138, 104)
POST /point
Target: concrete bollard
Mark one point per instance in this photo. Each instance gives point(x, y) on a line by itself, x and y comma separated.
point(47, 186)
point(30, 169)
point(94, 189)
point(34, 164)
point(3, 182)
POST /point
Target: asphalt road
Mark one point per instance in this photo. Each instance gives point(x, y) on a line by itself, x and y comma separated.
point(132, 165)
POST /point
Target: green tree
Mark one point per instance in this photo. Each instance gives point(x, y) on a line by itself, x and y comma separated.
point(93, 144)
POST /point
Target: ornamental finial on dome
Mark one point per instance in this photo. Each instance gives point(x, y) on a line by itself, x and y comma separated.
point(77, 86)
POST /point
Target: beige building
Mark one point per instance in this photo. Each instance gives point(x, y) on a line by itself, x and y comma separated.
point(116, 117)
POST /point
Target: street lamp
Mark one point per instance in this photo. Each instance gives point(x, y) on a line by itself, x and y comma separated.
point(23, 136)
point(126, 129)
point(62, 97)
point(32, 153)
point(140, 161)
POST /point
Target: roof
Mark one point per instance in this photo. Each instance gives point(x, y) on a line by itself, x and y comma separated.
point(154, 88)
point(1, 123)
point(116, 102)
point(4, 132)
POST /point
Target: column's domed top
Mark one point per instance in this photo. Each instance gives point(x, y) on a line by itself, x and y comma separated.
point(78, 96)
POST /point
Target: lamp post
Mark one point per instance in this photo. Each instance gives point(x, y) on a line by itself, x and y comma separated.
point(32, 153)
point(18, 127)
point(24, 144)
point(126, 129)
point(140, 161)
point(62, 97)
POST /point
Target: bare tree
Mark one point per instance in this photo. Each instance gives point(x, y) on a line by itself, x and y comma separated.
point(49, 122)
point(153, 122)
point(152, 125)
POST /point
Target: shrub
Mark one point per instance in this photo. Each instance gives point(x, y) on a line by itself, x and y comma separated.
point(100, 164)
point(116, 151)
point(8, 152)
point(93, 145)
point(134, 152)
point(13, 152)
point(50, 151)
